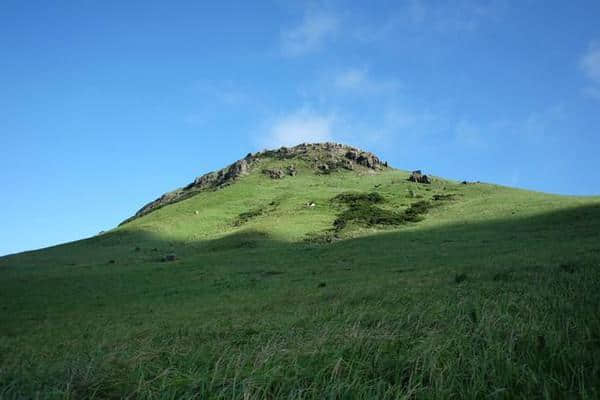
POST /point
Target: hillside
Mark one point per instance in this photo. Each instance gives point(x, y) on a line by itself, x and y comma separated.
point(316, 271)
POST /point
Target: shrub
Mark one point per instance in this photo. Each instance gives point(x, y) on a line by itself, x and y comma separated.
point(246, 216)
point(359, 198)
point(362, 210)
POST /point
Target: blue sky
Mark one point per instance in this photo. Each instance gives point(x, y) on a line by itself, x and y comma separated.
point(105, 105)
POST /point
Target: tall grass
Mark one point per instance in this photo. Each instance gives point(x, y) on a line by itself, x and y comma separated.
point(495, 294)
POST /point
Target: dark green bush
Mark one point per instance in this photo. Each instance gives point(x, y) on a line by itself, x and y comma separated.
point(442, 197)
point(246, 216)
point(358, 198)
point(362, 210)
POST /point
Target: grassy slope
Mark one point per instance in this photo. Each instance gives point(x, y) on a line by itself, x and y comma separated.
point(496, 293)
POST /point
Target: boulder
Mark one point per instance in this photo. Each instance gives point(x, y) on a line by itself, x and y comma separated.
point(365, 159)
point(352, 155)
point(419, 177)
point(324, 168)
point(291, 170)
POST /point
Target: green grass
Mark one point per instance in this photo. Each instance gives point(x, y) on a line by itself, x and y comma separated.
point(494, 294)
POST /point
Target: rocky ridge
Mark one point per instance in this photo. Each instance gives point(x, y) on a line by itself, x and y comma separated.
point(323, 157)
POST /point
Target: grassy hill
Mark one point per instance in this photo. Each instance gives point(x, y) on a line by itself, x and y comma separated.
point(331, 283)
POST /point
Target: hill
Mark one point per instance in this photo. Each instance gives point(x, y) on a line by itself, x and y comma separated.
point(316, 271)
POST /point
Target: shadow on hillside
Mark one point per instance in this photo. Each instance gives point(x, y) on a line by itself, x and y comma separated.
point(573, 232)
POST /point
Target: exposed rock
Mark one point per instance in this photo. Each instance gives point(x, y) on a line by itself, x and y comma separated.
point(274, 173)
point(335, 155)
point(347, 164)
point(417, 176)
point(367, 161)
point(291, 170)
point(279, 173)
point(323, 167)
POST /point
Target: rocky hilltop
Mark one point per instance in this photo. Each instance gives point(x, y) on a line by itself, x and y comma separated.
point(324, 158)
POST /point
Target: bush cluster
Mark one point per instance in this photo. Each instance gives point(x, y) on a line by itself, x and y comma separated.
point(362, 210)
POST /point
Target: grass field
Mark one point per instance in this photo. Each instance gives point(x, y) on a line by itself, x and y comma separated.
point(494, 294)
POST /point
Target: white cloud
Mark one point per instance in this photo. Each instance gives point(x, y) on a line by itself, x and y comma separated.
point(590, 62)
point(351, 79)
point(417, 18)
point(590, 65)
point(464, 15)
point(299, 127)
point(309, 35)
point(358, 79)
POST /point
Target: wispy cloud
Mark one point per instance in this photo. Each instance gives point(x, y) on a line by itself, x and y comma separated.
point(590, 65)
point(466, 15)
point(300, 126)
point(590, 62)
point(351, 79)
point(534, 129)
point(419, 17)
point(310, 34)
point(358, 79)
point(415, 18)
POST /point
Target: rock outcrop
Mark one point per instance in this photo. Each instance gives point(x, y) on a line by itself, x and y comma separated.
point(333, 155)
point(419, 177)
point(278, 173)
point(291, 170)
point(274, 173)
